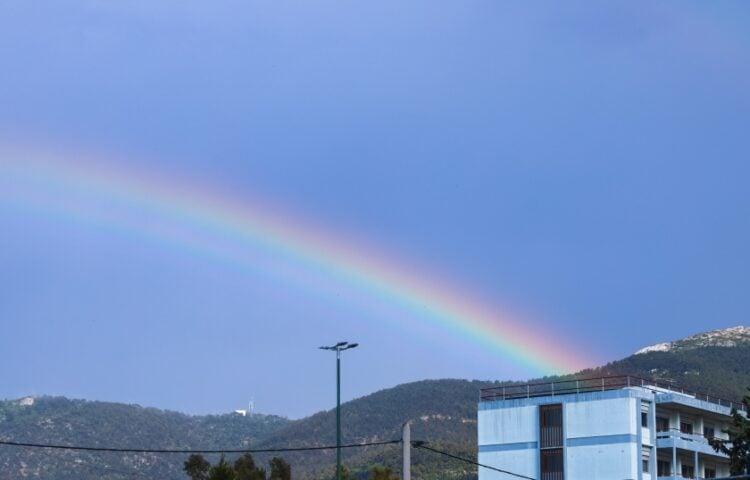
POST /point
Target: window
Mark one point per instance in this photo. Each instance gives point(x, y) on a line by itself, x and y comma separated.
point(645, 407)
point(645, 457)
point(663, 468)
point(550, 422)
point(662, 424)
point(686, 427)
point(708, 432)
point(551, 441)
point(552, 464)
point(709, 472)
point(688, 471)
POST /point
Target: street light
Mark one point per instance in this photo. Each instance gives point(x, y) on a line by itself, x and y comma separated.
point(338, 348)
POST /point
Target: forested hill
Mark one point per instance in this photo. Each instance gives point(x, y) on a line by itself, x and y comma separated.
point(442, 412)
point(58, 420)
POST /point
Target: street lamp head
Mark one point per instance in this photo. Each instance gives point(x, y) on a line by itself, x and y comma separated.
point(340, 346)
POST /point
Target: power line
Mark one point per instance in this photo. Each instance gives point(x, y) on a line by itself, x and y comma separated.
point(420, 444)
point(206, 451)
point(415, 444)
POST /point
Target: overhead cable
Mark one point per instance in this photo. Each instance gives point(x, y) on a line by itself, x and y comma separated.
point(422, 445)
point(179, 450)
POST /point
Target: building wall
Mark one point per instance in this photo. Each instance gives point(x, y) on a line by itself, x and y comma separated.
point(613, 416)
point(519, 424)
point(508, 438)
point(523, 462)
point(602, 439)
point(616, 461)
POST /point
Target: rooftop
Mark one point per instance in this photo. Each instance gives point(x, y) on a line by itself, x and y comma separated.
point(596, 384)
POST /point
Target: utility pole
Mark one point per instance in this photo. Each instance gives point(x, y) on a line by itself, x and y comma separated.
point(406, 449)
point(338, 348)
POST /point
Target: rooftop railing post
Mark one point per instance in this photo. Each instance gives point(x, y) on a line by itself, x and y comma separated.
point(628, 380)
point(578, 390)
point(504, 397)
point(528, 391)
point(552, 384)
point(602, 384)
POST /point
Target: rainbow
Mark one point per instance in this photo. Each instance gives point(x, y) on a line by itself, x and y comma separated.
point(219, 225)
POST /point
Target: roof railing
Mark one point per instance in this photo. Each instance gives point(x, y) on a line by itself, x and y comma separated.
point(595, 384)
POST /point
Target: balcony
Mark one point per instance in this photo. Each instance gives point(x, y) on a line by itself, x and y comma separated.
point(674, 438)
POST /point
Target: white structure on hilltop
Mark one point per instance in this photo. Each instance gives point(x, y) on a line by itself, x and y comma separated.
point(249, 411)
point(608, 428)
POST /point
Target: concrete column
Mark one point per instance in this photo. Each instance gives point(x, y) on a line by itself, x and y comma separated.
point(652, 436)
point(695, 465)
point(674, 462)
point(406, 449)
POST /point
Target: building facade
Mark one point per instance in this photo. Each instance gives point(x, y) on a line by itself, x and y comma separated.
point(608, 428)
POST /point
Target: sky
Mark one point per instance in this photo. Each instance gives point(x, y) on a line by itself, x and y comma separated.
point(276, 176)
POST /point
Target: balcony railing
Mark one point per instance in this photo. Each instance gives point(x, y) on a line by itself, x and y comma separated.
point(595, 384)
point(677, 433)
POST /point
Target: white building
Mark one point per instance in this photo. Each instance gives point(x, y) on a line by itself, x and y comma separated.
point(610, 428)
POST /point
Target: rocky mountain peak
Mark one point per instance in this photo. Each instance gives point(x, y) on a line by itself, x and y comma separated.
point(727, 337)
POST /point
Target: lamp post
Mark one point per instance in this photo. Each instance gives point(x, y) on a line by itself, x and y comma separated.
point(338, 348)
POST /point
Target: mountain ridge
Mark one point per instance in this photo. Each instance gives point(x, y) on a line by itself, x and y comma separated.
point(725, 337)
point(442, 412)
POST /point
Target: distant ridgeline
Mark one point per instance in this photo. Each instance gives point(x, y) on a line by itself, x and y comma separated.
point(442, 412)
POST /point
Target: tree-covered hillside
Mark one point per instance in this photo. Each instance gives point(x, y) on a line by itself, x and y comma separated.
point(56, 420)
point(442, 412)
point(439, 410)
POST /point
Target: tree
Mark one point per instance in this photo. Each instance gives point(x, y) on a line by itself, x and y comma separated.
point(221, 471)
point(738, 445)
point(280, 470)
point(246, 469)
point(345, 473)
point(382, 473)
point(197, 467)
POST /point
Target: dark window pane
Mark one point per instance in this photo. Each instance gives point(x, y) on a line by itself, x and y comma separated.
point(644, 419)
point(552, 464)
point(662, 424)
point(663, 468)
point(550, 421)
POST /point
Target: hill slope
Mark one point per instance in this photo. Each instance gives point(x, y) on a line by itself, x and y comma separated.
point(442, 412)
point(57, 420)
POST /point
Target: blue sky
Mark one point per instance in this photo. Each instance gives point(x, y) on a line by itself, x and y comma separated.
point(584, 161)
